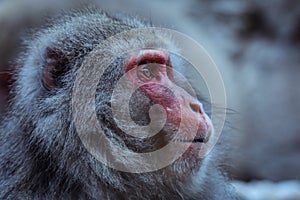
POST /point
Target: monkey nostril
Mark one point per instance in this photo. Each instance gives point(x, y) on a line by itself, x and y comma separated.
point(196, 107)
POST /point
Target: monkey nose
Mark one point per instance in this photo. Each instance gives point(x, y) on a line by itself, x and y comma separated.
point(191, 103)
point(196, 107)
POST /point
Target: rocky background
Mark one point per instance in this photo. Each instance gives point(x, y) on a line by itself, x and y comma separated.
point(255, 44)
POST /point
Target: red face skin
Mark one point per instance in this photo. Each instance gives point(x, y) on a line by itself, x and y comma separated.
point(151, 70)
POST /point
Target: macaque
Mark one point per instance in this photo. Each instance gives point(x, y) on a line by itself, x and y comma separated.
point(42, 155)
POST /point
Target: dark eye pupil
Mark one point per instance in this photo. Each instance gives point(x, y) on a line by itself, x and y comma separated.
point(147, 72)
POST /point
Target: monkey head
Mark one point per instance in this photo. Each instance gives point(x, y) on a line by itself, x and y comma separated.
point(44, 108)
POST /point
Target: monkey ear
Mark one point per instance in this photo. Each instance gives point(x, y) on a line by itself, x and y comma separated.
point(55, 65)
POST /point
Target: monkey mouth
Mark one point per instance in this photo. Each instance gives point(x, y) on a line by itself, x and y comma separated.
point(200, 140)
point(197, 140)
point(201, 137)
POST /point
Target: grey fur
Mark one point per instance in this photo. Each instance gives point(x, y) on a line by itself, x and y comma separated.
point(41, 156)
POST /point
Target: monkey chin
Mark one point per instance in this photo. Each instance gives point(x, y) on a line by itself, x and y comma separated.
point(196, 149)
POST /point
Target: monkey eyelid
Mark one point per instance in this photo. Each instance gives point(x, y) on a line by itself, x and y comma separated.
point(147, 73)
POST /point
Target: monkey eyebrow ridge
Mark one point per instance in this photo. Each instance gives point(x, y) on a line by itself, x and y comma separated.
point(149, 56)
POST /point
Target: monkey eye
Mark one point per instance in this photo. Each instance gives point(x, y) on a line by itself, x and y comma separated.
point(148, 71)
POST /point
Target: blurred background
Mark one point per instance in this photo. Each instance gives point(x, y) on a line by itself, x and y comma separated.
point(255, 44)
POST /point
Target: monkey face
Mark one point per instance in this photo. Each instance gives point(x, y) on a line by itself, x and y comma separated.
point(151, 72)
